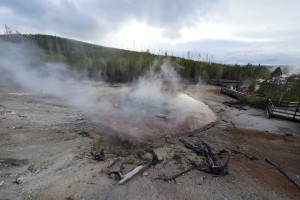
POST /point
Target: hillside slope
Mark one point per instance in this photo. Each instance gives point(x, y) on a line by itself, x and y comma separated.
point(117, 65)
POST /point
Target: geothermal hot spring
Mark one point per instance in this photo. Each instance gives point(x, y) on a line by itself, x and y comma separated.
point(152, 106)
point(150, 109)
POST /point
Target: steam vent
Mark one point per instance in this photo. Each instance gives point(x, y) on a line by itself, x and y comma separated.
point(142, 114)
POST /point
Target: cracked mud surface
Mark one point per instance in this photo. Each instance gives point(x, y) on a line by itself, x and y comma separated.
point(43, 141)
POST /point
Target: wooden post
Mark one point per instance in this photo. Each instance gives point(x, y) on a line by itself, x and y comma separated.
point(297, 109)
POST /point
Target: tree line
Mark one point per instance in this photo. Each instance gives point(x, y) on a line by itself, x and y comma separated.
point(117, 65)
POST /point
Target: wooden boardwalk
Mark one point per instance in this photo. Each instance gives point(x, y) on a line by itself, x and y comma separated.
point(287, 110)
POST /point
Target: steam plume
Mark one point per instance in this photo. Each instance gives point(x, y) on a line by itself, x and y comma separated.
point(134, 109)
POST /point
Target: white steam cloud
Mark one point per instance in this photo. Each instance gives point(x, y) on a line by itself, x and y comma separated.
point(152, 106)
point(21, 64)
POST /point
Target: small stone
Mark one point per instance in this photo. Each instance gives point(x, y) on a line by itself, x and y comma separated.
point(113, 176)
point(147, 156)
point(16, 126)
point(145, 174)
point(10, 113)
point(32, 168)
point(1, 183)
point(70, 198)
point(100, 156)
point(20, 180)
point(163, 153)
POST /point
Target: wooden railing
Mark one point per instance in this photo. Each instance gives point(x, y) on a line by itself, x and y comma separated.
point(288, 110)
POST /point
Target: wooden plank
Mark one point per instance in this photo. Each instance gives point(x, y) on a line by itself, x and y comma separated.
point(284, 111)
point(290, 111)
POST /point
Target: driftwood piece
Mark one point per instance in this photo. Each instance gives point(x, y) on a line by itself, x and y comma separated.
point(282, 172)
point(130, 174)
point(124, 178)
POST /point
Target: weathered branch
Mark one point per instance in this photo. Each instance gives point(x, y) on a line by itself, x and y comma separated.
point(130, 174)
point(246, 155)
point(282, 172)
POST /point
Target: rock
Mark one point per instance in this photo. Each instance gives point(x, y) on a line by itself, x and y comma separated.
point(10, 113)
point(164, 153)
point(85, 134)
point(113, 176)
point(1, 183)
point(17, 126)
point(147, 156)
point(20, 180)
point(145, 174)
point(100, 156)
point(70, 198)
point(32, 168)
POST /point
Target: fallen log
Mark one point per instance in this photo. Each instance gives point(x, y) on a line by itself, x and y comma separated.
point(282, 172)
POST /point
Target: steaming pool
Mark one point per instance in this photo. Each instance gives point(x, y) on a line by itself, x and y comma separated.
point(143, 115)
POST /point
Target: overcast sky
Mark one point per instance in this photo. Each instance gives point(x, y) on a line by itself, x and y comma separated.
point(227, 31)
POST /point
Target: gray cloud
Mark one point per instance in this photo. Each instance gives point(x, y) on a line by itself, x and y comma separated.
point(269, 27)
point(268, 20)
point(48, 17)
point(91, 19)
point(239, 52)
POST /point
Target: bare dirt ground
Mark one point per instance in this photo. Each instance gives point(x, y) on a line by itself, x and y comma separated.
point(46, 146)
